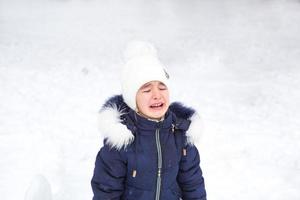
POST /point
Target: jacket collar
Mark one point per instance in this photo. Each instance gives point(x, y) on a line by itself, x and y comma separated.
point(143, 123)
point(115, 113)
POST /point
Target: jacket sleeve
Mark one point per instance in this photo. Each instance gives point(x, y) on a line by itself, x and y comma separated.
point(109, 174)
point(190, 177)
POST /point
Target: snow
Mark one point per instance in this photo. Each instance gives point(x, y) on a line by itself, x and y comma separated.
point(237, 62)
point(39, 189)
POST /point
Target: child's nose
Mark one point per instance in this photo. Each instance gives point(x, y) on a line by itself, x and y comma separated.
point(156, 93)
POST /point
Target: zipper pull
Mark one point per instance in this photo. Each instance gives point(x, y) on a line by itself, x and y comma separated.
point(134, 173)
point(184, 152)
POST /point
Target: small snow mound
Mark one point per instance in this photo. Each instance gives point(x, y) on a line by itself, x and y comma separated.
point(39, 189)
point(138, 48)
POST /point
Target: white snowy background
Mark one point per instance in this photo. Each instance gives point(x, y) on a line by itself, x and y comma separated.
point(236, 61)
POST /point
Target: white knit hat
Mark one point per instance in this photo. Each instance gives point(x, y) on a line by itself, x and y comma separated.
point(142, 66)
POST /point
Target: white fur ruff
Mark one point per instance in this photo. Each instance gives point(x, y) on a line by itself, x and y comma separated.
point(194, 133)
point(117, 134)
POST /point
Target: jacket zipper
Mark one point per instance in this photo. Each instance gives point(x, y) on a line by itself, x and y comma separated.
point(159, 165)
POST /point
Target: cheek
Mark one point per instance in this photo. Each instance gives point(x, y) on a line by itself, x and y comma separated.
point(144, 105)
point(142, 101)
point(166, 96)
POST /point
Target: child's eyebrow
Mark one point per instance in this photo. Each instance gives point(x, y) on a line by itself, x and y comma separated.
point(161, 84)
point(146, 85)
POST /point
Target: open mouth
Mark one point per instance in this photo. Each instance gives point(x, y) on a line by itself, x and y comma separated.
point(156, 105)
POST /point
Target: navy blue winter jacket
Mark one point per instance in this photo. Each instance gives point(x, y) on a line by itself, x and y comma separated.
point(147, 160)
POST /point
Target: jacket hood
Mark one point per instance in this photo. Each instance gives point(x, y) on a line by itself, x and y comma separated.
point(118, 135)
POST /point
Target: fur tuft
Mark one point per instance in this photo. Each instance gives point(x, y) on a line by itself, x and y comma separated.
point(195, 131)
point(116, 134)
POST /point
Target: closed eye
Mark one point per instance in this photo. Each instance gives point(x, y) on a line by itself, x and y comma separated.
point(162, 87)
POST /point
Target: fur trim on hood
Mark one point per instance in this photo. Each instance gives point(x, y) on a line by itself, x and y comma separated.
point(118, 136)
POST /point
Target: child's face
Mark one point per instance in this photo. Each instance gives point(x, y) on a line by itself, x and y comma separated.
point(152, 99)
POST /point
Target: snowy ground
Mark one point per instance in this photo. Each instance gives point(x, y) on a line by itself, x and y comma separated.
point(237, 62)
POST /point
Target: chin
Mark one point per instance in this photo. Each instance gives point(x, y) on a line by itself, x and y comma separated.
point(157, 115)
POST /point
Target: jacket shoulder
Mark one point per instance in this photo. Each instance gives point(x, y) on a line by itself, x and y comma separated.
point(188, 120)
